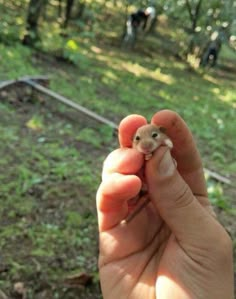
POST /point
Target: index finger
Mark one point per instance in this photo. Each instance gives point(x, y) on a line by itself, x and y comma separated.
point(128, 127)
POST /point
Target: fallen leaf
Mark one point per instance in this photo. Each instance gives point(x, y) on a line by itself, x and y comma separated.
point(35, 124)
point(81, 279)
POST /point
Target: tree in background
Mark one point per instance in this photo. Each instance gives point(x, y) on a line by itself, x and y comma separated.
point(69, 6)
point(77, 7)
point(34, 12)
point(194, 11)
point(199, 19)
point(195, 20)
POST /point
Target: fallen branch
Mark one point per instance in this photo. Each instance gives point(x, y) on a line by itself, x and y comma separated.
point(32, 81)
point(217, 176)
point(40, 79)
point(70, 103)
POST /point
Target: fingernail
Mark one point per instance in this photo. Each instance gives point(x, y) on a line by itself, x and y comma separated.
point(167, 166)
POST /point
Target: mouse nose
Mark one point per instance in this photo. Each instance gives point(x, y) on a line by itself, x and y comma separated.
point(147, 146)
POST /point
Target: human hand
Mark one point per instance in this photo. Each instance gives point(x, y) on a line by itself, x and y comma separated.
point(174, 248)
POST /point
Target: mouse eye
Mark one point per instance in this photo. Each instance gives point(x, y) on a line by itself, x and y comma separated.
point(137, 138)
point(154, 135)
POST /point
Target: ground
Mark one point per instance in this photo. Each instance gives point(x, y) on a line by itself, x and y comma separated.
point(51, 155)
point(48, 225)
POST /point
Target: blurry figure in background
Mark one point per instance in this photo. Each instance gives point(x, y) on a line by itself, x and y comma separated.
point(151, 18)
point(213, 47)
point(141, 20)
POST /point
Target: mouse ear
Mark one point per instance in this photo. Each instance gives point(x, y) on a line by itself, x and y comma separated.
point(162, 129)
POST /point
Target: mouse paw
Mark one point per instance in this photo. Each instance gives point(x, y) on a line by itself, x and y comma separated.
point(148, 156)
point(169, 143)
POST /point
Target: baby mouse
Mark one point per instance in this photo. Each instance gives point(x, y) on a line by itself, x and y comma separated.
point(148, 138)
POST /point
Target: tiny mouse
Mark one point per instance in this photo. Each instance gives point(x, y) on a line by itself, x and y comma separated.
point(148, 138)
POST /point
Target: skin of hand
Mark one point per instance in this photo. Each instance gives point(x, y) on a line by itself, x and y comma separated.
point(173, 249)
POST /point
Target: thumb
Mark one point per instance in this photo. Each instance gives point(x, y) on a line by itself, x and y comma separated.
point(175, 201)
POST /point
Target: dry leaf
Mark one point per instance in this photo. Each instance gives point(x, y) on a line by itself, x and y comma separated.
point(81, 279)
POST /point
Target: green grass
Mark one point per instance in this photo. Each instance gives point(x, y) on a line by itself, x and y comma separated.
point(48, 182)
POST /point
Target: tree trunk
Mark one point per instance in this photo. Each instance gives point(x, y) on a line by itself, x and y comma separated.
point(59, 8)
point(80, 10)
point(69, 6)
point(34, 12)
point(194, 14)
